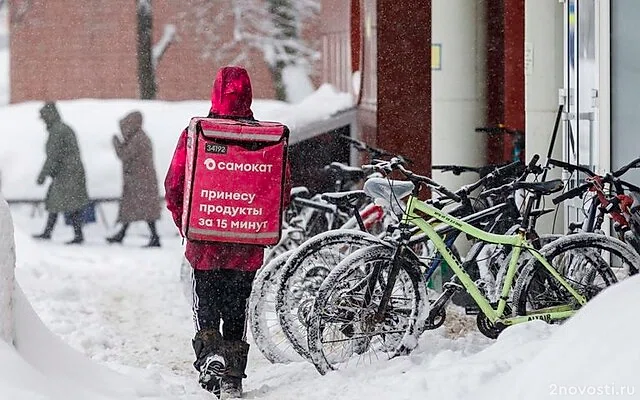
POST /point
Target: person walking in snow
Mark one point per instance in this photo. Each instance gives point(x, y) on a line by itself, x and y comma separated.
point(67, 192)
point(140, 198)
point(222, 272)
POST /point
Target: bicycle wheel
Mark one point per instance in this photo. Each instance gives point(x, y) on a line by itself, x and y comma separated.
point(302, 275)
point(581, 260)
point(342, 328)
point(263, 321)
point(291, 238)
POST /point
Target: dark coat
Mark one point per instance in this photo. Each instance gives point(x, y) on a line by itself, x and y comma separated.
point(140, 197)
point(68, 189)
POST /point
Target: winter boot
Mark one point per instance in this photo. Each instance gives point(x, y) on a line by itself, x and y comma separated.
point(231, 388)
point(51, 222)
point(210, 361)
point(76, 222)
point(119, 237)
point(153, 242)
point(76, 240)
point(236, 352)
point(78, 237)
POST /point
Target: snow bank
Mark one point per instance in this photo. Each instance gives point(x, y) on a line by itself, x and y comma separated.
point(22, 135)
point(41, 365)
point(7, 274)
point(65, 370)
point(593, 355)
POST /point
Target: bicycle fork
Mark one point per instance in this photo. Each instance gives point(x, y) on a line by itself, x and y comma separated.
point(390, 282)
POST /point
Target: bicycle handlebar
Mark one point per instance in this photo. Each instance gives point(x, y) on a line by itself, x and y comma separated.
point(531, 168)
point(570, 167)
point(374, 151)
point(505, 170)
point(569, 194)
point(633, 164)
point(457, 169)
point(629, 185)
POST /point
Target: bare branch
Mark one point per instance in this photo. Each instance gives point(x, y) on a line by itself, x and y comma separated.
point(273, 27)
point(168, 36)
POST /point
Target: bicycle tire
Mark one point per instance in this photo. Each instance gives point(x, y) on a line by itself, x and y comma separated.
point(269, 338)
point(408, 335)
point(576, 241)
point(291, 239)
point(287, 303)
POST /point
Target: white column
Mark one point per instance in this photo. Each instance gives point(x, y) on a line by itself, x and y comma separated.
point(544, 58)
point(458, 88)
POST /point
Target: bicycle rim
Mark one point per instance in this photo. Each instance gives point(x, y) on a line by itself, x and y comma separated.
point(344, 331)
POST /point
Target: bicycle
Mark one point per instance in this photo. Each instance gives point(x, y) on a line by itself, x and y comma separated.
point(377, 294)
point(270, 336)
point(295, 293)
point(618, 206)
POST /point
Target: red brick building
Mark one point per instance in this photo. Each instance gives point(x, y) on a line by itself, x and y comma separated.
point(66, 49)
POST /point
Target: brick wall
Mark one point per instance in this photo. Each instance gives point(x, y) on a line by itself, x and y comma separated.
point(67, 49)
point(60, 50)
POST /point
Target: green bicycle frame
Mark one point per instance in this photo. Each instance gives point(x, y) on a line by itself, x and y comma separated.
point(517, 241)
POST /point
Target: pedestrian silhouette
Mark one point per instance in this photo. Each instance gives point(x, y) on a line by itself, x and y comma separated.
point(140, 198)
point(67, 192)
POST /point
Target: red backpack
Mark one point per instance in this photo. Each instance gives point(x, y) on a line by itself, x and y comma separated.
point(235, 175)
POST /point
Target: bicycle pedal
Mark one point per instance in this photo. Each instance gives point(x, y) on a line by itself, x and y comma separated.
point(471, 310)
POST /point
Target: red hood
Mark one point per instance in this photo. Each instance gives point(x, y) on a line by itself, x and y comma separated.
point(231, 93)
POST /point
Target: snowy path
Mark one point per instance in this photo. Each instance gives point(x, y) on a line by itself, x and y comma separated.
point(124, 307)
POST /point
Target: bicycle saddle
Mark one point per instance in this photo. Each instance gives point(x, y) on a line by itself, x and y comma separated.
point(345, 172)
point(382, 188)
point(344, 199)
point(544, 188)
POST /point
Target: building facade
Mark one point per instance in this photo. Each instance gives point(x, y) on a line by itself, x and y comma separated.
point(66, 49)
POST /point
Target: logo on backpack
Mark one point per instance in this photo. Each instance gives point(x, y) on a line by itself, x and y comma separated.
point(210, 164)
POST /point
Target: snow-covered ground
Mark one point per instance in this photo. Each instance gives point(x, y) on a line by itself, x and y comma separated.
point(122, 307)
point(101, 308)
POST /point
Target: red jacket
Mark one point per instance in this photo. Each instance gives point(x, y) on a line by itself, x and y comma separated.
point(230, 98)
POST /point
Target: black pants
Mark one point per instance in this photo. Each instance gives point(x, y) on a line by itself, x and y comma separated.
point(222, 295)
point(76, 223)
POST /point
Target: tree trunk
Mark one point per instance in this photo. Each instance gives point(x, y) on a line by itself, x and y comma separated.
point(278, 82)
point(284, 18)
point(146, 72)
